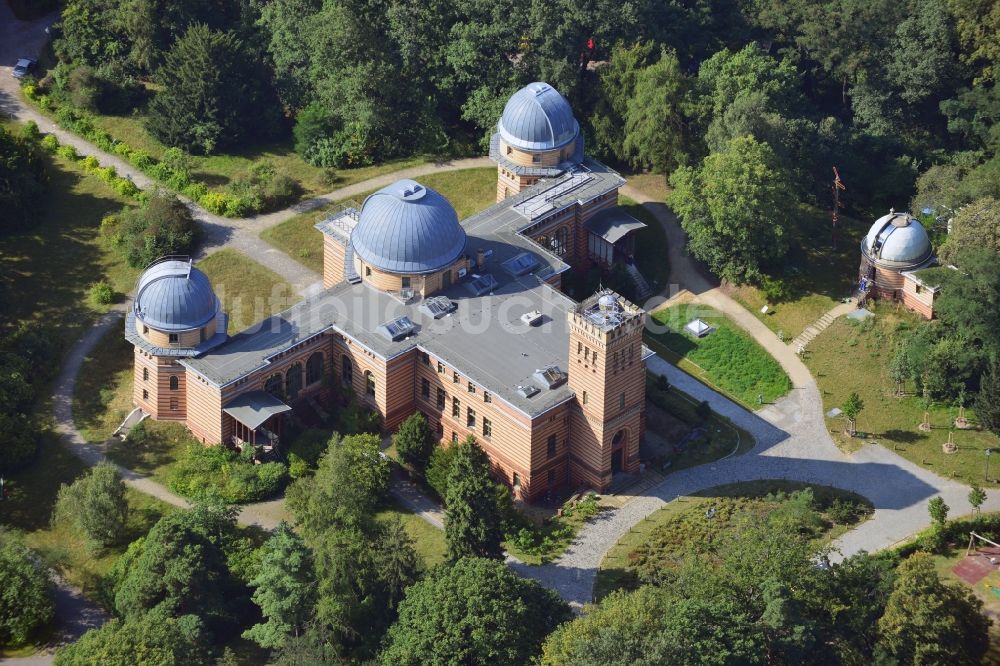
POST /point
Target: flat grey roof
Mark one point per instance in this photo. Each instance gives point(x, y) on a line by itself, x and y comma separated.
point(613, 224)
point(484, 339)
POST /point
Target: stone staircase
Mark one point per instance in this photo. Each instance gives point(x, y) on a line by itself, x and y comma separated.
point(813, 329)
point(643, 290)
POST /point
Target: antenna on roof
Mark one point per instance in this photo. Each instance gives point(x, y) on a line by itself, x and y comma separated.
point(838, 187)
point(190, 266)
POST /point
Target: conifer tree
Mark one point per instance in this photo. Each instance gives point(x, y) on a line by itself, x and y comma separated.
point(472, 523)
point(284, 589)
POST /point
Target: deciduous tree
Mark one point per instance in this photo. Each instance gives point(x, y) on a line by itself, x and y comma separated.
point(96, 504)
point(852, 408)
point(476, 611)
point(25, 599)
point(414, 441)
point(23, 180)
point(151, 638)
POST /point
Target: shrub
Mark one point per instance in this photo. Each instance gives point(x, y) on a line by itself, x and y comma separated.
point(102, 293)
point(141, 160)
point(703, 410)
point(215, 471)
point(50, 143)
point(305, 450)
point(83, 88)
point(25, 599)
point(414, 442)
point(213, 202)
point(107, 174)
point(30, 131)
point(68, 152)
point(281, 190)
point(126, 187)
point(195, 191)
point(163, 226)
point(845, 512)
point(89, 163)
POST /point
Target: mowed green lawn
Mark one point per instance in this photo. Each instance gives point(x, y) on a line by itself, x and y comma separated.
point(727, 359)
point(46, 272)
point(219, 170)
point(818, 276)
point(849, 357)
point(468, 190)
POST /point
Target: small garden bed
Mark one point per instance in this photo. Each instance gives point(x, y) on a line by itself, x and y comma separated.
point(727, 359)
point(204, 472)
point(646, 554)
point(544, 540)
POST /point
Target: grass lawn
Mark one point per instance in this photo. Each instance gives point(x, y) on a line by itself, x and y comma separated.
point(428, 540)
point(219, 170)
point(817, 276)
point(468, 190)
point(249, 292)
point(650, 246)
point(850, 357)
point(671, 532)
point(102, 397)
point(45, 273)
point(727, 359)
point(653, 185)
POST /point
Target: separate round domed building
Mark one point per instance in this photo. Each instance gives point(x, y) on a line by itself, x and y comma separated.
point(175, 314)
point(893, 253)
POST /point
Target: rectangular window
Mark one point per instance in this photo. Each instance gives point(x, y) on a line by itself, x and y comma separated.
point(173, 338)
point(405, 282)
point(595, 358)
point(585, 397)
point(579, 347)
point(368, 271)
point(425, 387)
point(621, 401)
point(487, 427)
point(470, 418)
point(517, 480)
point(174, 404)
point(145, 329)
point(472, 387)
point(487, 397)
point(454, 436)
point(456, 408)
point(441, 398)
point(440, 367)
point(426, 358)
point(145, 374)
point(536, 158)
point(145, 394)
point(439, 429)
point(552, 446)
point(455, 378)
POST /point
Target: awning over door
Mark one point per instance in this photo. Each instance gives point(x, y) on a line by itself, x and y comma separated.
point(254, 408)
point(613, 224)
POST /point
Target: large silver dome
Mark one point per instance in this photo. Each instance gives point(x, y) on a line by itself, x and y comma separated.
point(173, 295)
point(537, 117)
point(408, 228)
point(897, 239)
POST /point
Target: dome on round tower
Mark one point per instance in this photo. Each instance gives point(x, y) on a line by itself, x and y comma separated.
point(537, 117)
point(408, 228)
point(173, 295)
point(898, 239)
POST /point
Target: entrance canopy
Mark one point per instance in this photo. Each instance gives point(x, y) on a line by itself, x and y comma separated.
point(613, 224)
point(254, 408)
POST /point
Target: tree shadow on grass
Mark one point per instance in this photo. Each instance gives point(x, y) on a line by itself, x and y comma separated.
point(901, 436)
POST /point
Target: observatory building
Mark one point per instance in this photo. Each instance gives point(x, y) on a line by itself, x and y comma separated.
point(894, 252)
point(463, 321)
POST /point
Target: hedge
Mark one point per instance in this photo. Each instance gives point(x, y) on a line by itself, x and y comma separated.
point(220, 203)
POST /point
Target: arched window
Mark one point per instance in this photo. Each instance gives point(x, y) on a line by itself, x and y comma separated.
point(560, 241)
point(173, 382)
point(273, 385)
point(369, 383)
point(293, 381)
point(346, 370)
point(314, 368)
point(620, 438)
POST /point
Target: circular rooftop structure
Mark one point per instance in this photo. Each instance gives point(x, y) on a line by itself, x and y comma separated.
point(897, 240)
point(537, 117)
point(408, 228)
point(173, 295)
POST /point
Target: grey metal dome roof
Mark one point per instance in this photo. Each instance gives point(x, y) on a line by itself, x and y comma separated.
point(173, 295)
point(537, 117)
point(408, 228)
point(898, 238)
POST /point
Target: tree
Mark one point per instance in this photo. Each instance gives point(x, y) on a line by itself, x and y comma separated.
point(726, 76)
point(929, 622)
point(211, 93)
point(987, 402)
point(23, 181)
point(654, 125)
point(475, 612)
point(414, 441)
point(978, 23)
point(852, 408)
point(976, 497)
point(900, 368)
point(152, 638)
point(25, 599)
point(472, 522)
point(939, 511)
point(439, 469)
point(284, 589)
point(162, 226)
point(96, 504)
point(735, 209)
point(351, 480)
point(974, 226)
point(969, 302)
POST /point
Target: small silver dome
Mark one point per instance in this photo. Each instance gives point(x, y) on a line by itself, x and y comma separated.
point(408, 228)
point(537, 117)
point(897, 239)
point(173, 295)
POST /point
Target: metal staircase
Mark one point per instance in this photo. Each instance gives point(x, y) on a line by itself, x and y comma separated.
point(643, 290)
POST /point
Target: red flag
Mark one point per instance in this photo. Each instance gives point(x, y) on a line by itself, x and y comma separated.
point(590, 43)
